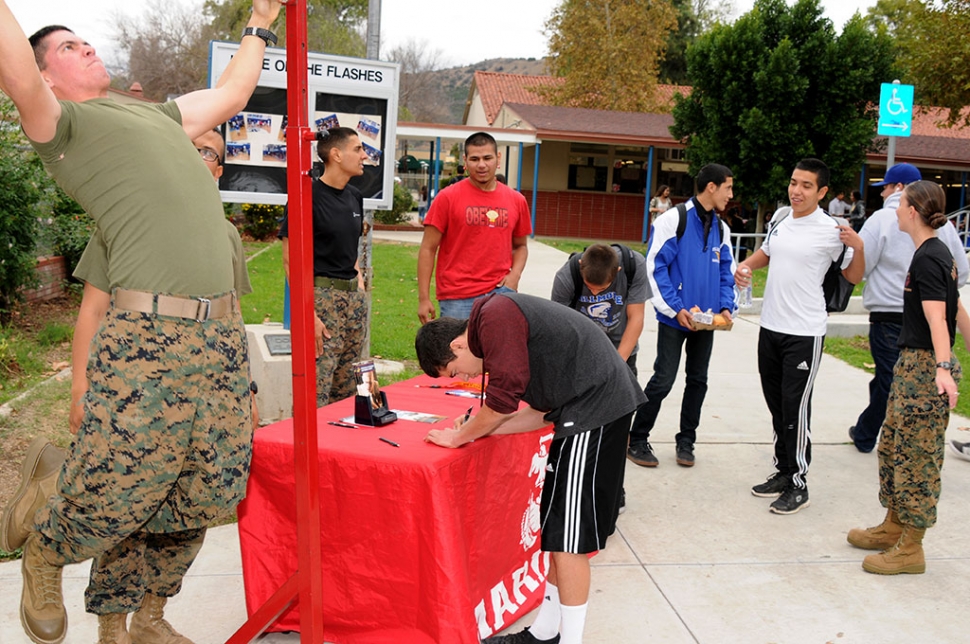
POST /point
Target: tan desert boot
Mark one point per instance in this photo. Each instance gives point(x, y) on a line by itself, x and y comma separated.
point(880, 537)
point(113, 629)
point(148, 625)
point(42, 610)
point(904, 557)
point(38, 481)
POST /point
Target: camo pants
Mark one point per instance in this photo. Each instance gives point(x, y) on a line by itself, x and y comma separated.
point(912, 442)
point(344, 313)
point(163, 450)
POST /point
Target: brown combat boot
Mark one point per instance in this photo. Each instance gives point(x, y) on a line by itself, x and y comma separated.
point(38, 481)
point(42, 610)
point(113, 629)
point(904, 557)
point(880, 537)
point(148, 625)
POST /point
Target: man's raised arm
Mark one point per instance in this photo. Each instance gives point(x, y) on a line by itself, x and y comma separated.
point(204, 109)
point(21, 80)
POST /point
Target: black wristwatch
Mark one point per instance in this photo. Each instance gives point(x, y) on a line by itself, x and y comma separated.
point(268, 36)
point(946, 364)
point(252, 387)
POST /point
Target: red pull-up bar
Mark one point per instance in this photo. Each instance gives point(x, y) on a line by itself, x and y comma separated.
point(306, 584)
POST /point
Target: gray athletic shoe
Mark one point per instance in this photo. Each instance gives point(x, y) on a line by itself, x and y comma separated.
point(962, 450)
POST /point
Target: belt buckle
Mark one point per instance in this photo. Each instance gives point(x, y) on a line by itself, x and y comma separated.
point(199, 317)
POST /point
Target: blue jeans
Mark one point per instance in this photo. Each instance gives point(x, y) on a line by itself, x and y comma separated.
point(461, 309)
point(669, 344)
point(882, 343)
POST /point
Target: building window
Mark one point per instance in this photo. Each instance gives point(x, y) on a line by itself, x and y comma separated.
point(588, 173)
point(629, 176)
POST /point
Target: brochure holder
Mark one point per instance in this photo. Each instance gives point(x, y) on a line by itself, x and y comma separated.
point(370, 405)
point(366, 413)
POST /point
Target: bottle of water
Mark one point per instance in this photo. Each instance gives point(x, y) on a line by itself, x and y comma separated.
point(745, 300)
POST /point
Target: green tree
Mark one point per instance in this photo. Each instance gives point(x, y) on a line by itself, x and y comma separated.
point(70, 227)
point(20, 179)
point(933, 52)
point(608, 52)
point(333, 26)
point(673, 67)
point(894, 15)
point(776, 86)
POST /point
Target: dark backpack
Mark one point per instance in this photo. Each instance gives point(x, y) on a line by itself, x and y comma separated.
point(835, 288)
point(626, 261)
point(682, 222)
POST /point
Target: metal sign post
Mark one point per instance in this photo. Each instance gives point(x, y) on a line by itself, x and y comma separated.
point(895, 115)
point(307, 583)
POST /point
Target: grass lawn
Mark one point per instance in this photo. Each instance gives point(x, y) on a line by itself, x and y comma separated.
point(394, 297)
point(855, 351)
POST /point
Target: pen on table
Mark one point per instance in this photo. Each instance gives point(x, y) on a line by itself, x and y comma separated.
point(388, 441)
point(347, 425)
point(468, 414)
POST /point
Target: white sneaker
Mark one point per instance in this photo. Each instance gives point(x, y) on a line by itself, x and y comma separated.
point(962, 449)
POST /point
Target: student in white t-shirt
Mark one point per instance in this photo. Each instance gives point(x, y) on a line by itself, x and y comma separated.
point(801, 244)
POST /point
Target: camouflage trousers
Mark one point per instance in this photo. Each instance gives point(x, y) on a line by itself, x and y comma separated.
point(163, 450)
point(912, 442)
point(344, 313)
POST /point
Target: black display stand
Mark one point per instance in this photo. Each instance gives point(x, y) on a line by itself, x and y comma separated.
point(366, 414)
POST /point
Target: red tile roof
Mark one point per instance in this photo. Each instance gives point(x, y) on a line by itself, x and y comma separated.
point(496, 88)
point(597, 126)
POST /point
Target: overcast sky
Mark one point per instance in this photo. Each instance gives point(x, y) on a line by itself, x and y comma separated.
point(464, 32)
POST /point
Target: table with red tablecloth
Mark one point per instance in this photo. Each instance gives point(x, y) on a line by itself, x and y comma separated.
point(421, 544)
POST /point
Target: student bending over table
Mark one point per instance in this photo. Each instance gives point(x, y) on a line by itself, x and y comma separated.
point(587, 392)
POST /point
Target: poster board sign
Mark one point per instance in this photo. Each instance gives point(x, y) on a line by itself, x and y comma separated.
point(343, 92)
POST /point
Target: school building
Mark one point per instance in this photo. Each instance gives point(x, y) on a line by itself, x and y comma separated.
point(590, 173)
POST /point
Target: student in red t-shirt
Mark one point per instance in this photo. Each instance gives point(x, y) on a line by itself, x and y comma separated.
point(478, 231)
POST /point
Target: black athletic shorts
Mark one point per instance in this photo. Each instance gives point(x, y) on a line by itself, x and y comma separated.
point(584, 476)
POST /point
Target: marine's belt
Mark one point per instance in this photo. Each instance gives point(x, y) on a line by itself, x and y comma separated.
point(199, 309)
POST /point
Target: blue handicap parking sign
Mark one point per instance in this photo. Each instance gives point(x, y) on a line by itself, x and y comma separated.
point(895, 110)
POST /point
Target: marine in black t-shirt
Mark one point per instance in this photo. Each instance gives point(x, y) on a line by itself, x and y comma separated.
point(338, 217)
point(932, 276)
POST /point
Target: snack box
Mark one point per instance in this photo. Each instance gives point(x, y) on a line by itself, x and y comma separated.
point(704, 321)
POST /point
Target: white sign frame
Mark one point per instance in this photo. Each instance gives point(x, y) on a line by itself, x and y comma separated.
point(333, 80)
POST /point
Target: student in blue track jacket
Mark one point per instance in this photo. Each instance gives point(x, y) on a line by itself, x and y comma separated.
point(695, 268)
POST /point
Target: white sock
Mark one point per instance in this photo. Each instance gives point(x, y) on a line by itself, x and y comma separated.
point(573, 624)
point(546, 625)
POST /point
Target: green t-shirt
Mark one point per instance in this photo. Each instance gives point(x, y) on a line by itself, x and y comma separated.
point(93, 265)
point(135, 171)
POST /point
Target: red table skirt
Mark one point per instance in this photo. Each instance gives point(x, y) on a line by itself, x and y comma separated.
point(420, 543)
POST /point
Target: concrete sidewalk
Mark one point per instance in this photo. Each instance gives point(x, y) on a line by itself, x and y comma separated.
point(696, 557)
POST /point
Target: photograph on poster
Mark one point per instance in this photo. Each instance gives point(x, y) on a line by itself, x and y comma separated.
point(368, 128)
point(282, 134)
point(274, 152)
point(328, 122)
point(257, 123)
point(237, 131)
point(237, 152)
point(263, 133)
point(373, 155)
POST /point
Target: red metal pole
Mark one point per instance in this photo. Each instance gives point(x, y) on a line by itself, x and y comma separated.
point(300, 191)
point(307, 583)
